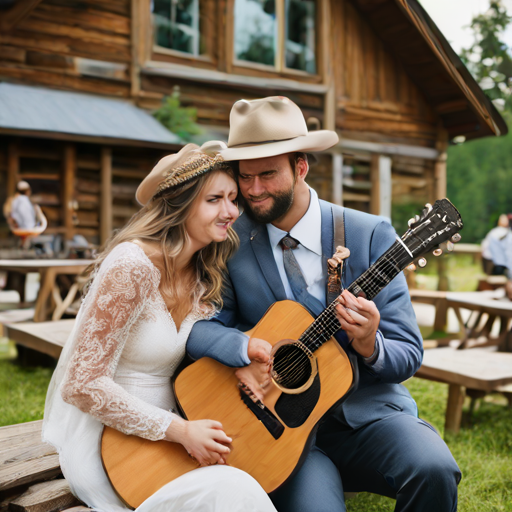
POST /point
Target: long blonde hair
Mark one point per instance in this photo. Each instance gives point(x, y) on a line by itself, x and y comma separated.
point(162, 220)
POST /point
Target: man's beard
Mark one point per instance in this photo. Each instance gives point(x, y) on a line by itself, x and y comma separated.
point(282, 203)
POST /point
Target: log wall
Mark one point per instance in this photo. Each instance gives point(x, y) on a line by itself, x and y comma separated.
point(43, 48)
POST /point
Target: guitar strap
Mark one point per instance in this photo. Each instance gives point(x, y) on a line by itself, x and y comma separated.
point(334, 275)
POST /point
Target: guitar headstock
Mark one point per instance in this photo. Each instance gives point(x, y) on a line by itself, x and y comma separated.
point(436, 224)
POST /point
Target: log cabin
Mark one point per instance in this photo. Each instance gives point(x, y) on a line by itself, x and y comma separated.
point(80, 78)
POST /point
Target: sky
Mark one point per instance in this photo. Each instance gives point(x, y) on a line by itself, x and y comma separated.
point(453, 18)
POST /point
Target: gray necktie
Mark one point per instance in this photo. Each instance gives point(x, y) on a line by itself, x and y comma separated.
point(296, 278)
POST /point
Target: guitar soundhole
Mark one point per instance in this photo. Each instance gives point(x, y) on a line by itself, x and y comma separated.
point(291, 366)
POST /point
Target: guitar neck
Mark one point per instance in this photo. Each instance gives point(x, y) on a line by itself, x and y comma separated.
point(368, 285)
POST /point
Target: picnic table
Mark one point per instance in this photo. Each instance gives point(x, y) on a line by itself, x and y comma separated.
point(48, 270)
point(486, 307)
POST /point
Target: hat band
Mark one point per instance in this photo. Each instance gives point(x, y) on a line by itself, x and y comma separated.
point(250, 144)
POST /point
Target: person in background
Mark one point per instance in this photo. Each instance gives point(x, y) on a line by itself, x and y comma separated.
point(496, 234)
point(23, 213)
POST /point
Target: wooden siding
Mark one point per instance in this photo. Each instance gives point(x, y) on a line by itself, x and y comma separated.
point(374, 95)
point(42, 48)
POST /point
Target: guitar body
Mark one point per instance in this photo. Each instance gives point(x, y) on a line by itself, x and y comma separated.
point(268, 450)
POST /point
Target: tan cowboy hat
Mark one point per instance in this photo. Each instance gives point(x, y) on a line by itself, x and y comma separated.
point(190, 162)
point(269, 127)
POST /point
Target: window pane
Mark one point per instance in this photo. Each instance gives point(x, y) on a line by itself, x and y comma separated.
point(176, 24)
point(255, 31)
point(301, 35)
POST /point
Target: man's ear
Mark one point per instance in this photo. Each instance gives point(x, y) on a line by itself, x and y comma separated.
point(301, 168)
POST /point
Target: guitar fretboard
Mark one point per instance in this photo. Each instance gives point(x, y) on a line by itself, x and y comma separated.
point(368, 284)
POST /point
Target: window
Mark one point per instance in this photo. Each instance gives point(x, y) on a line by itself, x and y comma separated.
point(255, 31)
point(177, 25)
point(261, 25)
point(301, 35)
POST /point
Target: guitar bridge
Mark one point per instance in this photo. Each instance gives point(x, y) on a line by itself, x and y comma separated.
point(272, 424)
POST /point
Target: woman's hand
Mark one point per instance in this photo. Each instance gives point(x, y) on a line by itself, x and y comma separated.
point(203, 439)
point(256, 375)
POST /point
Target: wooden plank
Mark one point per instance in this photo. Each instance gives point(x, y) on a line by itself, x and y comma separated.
point(68, 186)
point(106, 195)
point(86, 17)
point(45, 497)
point(13, 167)
point(17, 13)
point(24, 458)
point(12, 54)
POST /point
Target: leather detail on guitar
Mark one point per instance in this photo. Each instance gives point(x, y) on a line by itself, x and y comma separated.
point(294, 410)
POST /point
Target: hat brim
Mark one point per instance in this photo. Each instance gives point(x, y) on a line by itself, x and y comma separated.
point(319, 140)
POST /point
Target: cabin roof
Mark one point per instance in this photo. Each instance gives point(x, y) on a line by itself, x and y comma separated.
point(412, 36)
point(48, 113)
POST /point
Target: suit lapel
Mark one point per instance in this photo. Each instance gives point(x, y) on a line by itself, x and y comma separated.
point(261, 246)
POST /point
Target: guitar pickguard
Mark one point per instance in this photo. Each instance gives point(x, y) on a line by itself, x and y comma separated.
point(294, 410)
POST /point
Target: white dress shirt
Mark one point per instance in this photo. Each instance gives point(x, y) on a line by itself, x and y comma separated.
point(308, 253)
point(23, 212)
point(309, 257)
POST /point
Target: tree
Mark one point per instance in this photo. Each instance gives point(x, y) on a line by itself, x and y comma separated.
point(480, 172)
point(179, 120)
point(489, 58)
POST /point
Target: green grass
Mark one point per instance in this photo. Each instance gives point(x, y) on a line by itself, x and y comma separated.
point(482, 450)
point(22, 392)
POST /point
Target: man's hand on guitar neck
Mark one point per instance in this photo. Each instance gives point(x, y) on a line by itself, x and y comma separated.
point(256, 375)
point(360, 319)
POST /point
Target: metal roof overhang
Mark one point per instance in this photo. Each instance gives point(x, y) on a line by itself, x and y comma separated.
point(435, 68)
point(62, 115)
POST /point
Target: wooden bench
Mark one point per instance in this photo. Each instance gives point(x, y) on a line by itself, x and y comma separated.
point(30, 475)
point(478, 369)
point(45, 337)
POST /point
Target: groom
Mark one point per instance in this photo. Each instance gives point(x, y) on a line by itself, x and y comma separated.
point(374, 441)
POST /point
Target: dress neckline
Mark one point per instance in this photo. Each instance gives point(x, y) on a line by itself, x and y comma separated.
point(155, 268)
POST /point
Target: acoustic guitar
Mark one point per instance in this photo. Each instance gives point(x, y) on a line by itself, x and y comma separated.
point(310, 374)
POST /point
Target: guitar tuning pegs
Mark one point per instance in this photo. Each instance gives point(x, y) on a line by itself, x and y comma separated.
point(411, 267)
point(422, 262)
point(456, 238)
point(416, 218)
point(428, 206)
point(437, 252)
point(449, 246)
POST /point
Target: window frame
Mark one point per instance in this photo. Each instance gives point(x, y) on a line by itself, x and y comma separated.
point(242, 67)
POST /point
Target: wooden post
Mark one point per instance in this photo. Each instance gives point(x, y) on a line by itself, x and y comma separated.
point(440, 176)
point(380, 177)
point(281, 35)
point(68, 186)
point(106, 195)
point(375, 181)
point(13, 167)
point(456, 395)
point(337, 178)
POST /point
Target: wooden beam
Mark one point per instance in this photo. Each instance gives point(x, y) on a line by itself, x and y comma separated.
point(375, 180)
point(106, 195)
point(13, 167)
point(17, 13)
point(68, 186)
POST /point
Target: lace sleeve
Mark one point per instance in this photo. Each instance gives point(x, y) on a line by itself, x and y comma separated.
point(115, 302)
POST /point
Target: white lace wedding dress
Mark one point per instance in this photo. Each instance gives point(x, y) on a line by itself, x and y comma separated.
point(115, 370)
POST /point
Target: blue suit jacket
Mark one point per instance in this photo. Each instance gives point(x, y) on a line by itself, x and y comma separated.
point(254, 284)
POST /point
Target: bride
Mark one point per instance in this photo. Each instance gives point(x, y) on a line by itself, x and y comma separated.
point(157, 277)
